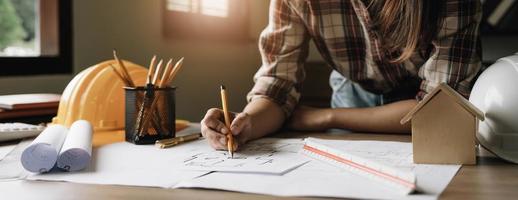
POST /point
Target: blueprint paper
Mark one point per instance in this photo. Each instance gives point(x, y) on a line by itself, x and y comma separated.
point(365, 163)
point(320, 179)
point(128, 164)
point(124, 163)
point(398, 155)
point(4, 150)
point(41, 155)
point(260, 156)
point(10, 166)
point(145, 165)
point(313, 178)
point(77, 149)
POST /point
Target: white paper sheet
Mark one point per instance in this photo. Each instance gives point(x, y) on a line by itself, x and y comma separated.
point(317, 178)
point(144, 165)
point(398, 155)
point(119, 164)
point(128, 164)
point(77, 149)
point(260, 156)
point(10, 166)
point(42, 153)
point(6, 149)
point(380, 165)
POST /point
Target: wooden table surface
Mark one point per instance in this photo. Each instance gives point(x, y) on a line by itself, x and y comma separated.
point(491, 178)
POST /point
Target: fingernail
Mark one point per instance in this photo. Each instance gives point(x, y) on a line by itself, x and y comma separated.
point(223, 140)
point(224, 130)
point(234, 131)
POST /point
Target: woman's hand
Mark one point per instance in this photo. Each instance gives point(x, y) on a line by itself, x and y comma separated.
point(310, 119)
point(213, 128)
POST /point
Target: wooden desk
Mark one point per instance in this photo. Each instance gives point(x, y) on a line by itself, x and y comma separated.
point(492, 178)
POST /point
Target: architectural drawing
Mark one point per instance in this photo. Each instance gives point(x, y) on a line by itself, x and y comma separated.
point(267, 155)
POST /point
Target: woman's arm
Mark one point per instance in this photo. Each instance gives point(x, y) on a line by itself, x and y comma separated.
point(284, 46)
point(379, 119)
point(265, 116)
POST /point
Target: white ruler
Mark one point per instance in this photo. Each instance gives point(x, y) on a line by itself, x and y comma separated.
point(402, 182)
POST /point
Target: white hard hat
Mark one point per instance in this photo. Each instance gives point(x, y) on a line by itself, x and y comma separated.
point(496, 94)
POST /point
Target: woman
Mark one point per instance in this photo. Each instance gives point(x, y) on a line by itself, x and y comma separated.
point(386, 55)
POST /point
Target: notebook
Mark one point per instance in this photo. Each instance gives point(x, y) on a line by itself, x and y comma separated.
point(29, 101)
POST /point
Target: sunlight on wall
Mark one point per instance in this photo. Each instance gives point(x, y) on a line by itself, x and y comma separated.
point(217, 8)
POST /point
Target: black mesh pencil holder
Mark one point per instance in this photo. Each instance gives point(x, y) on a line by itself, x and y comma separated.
point(150, 114)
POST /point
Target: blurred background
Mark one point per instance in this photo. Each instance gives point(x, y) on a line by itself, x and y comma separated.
point(44, 43)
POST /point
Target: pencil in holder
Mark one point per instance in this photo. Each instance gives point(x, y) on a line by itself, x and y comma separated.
point(150, 114)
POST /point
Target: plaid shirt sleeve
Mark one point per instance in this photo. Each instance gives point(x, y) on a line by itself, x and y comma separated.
point(456, 56)
point(284, 47)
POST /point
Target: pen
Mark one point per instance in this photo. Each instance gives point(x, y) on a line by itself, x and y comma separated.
point(230, 138)
point(166, 143)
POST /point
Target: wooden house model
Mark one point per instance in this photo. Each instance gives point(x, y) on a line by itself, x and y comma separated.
point(444, 126)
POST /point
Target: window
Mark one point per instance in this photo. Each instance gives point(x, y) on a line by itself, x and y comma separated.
point(218, 8)
point(206, 19)
point(35, 37)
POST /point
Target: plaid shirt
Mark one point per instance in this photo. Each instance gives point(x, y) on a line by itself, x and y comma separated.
point(343, 33)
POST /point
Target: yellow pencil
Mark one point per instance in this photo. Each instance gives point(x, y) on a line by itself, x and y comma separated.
point(167, 71)
point(159, 70)
point(230, 138)
point(125, 72)
point(175, 70)
point(125, 81)
point(151, 70)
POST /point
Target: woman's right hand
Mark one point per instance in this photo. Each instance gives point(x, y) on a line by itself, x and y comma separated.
point(214, 130)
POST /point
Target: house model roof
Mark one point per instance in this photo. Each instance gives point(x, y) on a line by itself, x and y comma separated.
point(456, 97)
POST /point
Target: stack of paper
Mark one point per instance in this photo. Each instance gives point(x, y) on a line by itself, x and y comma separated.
point(145, 165)
point(266, 166)
point(128, 164)
point(29, 101)
point(317, 178)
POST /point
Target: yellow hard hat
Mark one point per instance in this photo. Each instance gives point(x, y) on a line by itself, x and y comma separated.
point(97, 95)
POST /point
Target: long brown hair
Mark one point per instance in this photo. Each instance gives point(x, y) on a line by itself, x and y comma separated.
point(406, 24)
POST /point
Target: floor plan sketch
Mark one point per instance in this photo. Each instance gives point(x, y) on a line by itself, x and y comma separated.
point(262, 156)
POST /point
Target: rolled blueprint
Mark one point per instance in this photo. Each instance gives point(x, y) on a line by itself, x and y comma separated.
point(77, 149)
point(42, 153)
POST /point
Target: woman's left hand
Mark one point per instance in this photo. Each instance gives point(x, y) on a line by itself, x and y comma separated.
point(306, 118)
